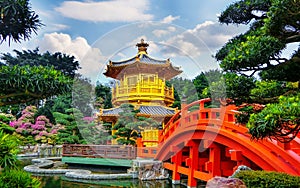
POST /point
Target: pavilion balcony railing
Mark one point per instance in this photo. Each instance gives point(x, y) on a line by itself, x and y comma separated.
point(143, 92)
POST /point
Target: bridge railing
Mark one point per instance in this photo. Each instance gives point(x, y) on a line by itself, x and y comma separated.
point(200, 115)
point(101, 151)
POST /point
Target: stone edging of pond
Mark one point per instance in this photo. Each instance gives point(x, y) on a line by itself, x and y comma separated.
point(40, 167)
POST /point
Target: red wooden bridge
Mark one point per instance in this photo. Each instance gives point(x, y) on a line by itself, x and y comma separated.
point(199, 143)
point(204, 143)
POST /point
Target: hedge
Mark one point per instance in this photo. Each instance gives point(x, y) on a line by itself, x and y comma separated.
point(259, 179)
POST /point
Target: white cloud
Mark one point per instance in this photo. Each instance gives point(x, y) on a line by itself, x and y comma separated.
point(162, 32)
point(169, 19)
point(91, 59)
point(206, 37)
point(106, 11)
point(121, 55)
point(171, 29)
point(59, 27)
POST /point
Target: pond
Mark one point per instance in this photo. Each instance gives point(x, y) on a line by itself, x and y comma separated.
point(63, 182)
point(60, 181)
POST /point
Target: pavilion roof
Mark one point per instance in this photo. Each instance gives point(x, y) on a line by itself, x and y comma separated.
point(142, 63)
point(149, 110)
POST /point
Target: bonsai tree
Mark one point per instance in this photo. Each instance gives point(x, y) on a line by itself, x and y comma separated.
point(129, 125)
point(69, 133)
point(258, 51)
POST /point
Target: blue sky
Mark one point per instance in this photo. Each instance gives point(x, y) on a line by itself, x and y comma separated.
point(95, 31)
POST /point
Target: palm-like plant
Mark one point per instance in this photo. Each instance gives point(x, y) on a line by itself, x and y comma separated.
point(17, 20)
point(8, 150)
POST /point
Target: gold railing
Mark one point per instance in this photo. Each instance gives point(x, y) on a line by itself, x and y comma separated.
point(143, 92)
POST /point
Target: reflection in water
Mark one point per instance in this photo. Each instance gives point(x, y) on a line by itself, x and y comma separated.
point(63, 182)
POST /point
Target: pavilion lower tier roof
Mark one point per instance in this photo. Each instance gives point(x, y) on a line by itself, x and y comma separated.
point(155, 111)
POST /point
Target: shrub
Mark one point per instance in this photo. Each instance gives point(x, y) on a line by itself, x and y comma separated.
point(18, 178)
point(8, 150)
point(268, 179)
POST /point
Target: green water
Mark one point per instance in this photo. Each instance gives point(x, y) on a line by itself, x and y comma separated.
point(63, 182)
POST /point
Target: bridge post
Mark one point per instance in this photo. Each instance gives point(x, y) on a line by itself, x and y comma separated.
point(215, 160)
point(176, 160)
point(192, 162)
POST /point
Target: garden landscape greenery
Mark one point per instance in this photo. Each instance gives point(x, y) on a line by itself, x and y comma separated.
point(41, 94)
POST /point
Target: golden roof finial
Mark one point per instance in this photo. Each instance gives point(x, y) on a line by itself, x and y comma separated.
point(142, 47)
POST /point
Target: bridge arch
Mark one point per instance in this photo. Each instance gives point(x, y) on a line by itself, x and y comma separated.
point(215, 130)
point(264, 154)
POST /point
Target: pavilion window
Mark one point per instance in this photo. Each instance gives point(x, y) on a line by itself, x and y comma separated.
point(152, 78)
point(145, 78)
point(132, 81)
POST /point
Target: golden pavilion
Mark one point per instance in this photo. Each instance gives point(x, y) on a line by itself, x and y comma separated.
point(142, 83)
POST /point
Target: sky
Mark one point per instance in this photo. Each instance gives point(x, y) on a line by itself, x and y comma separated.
point(96, 31)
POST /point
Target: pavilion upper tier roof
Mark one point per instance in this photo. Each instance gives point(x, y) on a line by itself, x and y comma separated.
point(142, 63)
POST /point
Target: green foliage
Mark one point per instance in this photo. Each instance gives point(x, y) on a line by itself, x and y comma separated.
point(233, 13)
point(78, 129)
point(283, 20)
point(4, 123)
point(25, 83)
point(200, 82)
point(244, 114)
point(196, 89)
point(251, 51)
point(232, 86)
point(129, 124)
point(70, 134)
point(279, 120)
point(103, 96)
point(83, 95)
point(18, 178)
point(268, 179)
point(184, 90)
point(66, 64)
point(9, 148)
point(93, 134)
point(270, 89)
point(17, 20)
point(284, 72)
point(274, 25)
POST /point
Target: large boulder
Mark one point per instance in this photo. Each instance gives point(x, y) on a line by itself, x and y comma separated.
point(149, 170)
point(222, 182)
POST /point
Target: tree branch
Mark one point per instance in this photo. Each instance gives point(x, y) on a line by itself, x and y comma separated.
point(294, 38)
point(271, 99)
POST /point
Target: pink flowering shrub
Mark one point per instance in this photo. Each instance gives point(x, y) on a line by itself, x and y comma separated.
point(88, 119)
point(38, 128)
point(54, 131)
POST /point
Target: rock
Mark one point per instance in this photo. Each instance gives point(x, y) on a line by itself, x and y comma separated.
point(150, 170)
point(222, 182)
